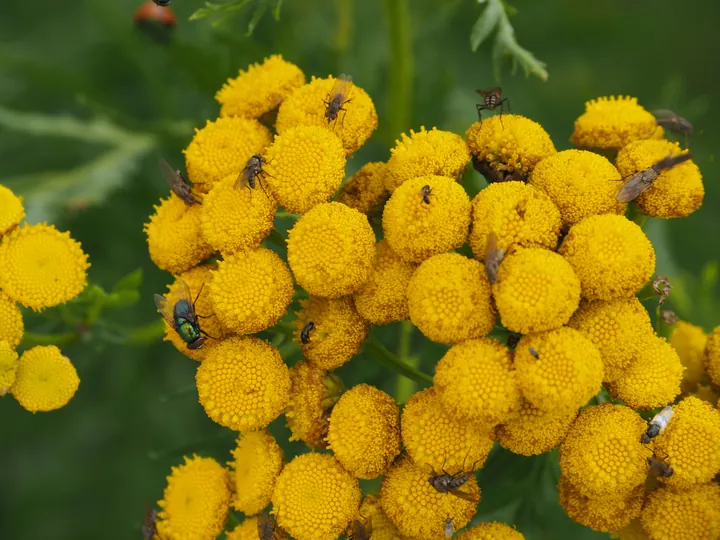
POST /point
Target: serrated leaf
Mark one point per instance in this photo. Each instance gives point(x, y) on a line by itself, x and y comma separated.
point(259, 12)
point(130, 282)
point(200, 14)
point(484, 26)
point(276, 9)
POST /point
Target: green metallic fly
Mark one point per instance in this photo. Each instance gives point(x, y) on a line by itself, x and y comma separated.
point(181, 316)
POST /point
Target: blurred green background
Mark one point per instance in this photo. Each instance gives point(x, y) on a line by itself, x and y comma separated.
point(88, 104)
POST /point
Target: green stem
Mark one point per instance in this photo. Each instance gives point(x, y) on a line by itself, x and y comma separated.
point(277, 238)
point(647, 292)
point(634, 214)
point(405, 387)
point(31, 339)
point(378, 351)
point(233, 520)
point(146, 334)
point(401, 68)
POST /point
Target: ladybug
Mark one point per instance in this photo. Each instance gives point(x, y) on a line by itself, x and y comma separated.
point(154, 20)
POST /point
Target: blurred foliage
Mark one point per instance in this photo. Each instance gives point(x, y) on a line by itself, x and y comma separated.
point(225, 10)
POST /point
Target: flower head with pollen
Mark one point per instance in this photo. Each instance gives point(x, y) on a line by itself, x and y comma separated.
point(376, 521)
point(631, 531)
point(689, 341)
point(365, 190)
point(174, 236)
point(260, 89)
point(12, 327)
point(580, 183)
point(315, 497)
point(424, 153)
point(337, 333)
point(222, 148)
point(243, 384)
point(305, 166)
point(612, 122)
point(331, 250)
point(563, 372)
point(247, 530)
point(416, 508)
point(426, 216)
point(683, 515)
point(519, 215)
point(676, 192)
point(611, 255)
point(475, 381)
point(364, 432)
point(196, 501)
point(41, 267)
point(449, 299)
point(8, 366)
point(11, 210)
point(45, 380)
point(257, 462)
point(712, 356)
point(306, 106)
point(490, 531)
point(536, 290)
point(532, 432)
point(251, 290)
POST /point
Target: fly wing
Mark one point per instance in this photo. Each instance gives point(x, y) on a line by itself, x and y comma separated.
point(243, 178)
point(465, 496)
point(149, 528)
point(165, 309)
point(638, 183)
point(183, 293)
point(670, 161)
point(343, 85)
point(493, 257)
point(170, 175)
point(663, 114)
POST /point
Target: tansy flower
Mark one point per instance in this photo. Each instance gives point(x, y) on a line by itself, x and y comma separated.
point(618, 329)
point(305, 166)
point(11, 210)
point(564, 375)
point(316, 499)
point(8, 366)
point(676, 192)
point(313, 394)
point(683, 515)
point(257, 462)
point(611, 255)
point(243, 384)
point(631, 531)
point(653, 379)
point(417, 230)
point(490, 531)
point(308, 104)
point(475, 381)
point(331, 250)
point(424, 153)
point(365, 190)
point(518, 214)
point(437, 440)
point(689, 341)
point(45, 380)
point(612, 122)
point(41, 267)
point(364, 432)
point(222, 148)
point(248, 530)
point(449, 299)
point(251, 290)
point(260, 89)
point(196, 501)
point(712, 356)
point(383, 297)
point(337, 333)
point(375, 521)
point(174, 236)
point(509, 143)
point(12, 327)
point(417, 509)
point(580, 183)
point(536, 290)
point(532, 432)
point(706, 392)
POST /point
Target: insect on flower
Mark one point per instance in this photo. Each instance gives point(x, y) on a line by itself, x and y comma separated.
point(669, 120)
point(305, 332)
point(449, 528)
point(534, 352)
point(425, 192)
point(450, 483)
point(251, 173)
point(492, 99)
point(668, 317)
point(181, 316)
point(359, 532)
point(149, 526)
point(659, 468)
point(493, 257)
point(179, 185)
point(662, 286)
point(338, 97)
point(642, 180)
point(266, 526)
point(657, 425)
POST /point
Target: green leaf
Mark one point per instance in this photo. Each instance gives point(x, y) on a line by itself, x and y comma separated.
point(130, 282)
point(122, 299)
point(276, 9)
point(259, 12)
point(485, 24)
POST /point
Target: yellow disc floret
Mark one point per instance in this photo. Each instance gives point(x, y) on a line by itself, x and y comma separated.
point(375, 520)
point(532, 432)
point(490, 531)
point(712, 356)
point(11, 210)
point(12, 327)
point(689, 341)
point(8, 366)
point(45, 380)
point(365, 190)
point(683, 515)
point(257, 462)
point(247, 530)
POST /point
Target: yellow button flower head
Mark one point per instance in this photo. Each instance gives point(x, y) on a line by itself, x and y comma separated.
point(365, 190)
point(653, 379)
point(337, 334)
point(12, 327)
point(689, 443)
point(509, 143)
point(257, 463)
point(248, 530)
point(312, 396)
point(416, 508)
point(611, 255)
point(475, 381)
point(8, 366)
point(518, 214)
point(580, 183)
point(222, 148)
point(417, 230)
point(315, 497)
point(677, 192)
point(175, 237)
point(331, 250)
point(602, 454)
point(689, 341)
point(11, 210)
point(712, 356)
point(364, 432)
point(449, 299)
point(706, 392)
point(618, 329)
point(490, 531)
point(260, 89)
point(423, 153)
point(243, 384)
point(373, 517)
point(536, 290)
point(305, 167)
point(566, 373)
point(196, 501)
point(612, 122)
point(631, 531)
point(438, 441)
point(383, 297)
point(45, 380)
point(683, 515)
point(251, 290)
point(41, 267)
point(534, 432)
point(307, 105)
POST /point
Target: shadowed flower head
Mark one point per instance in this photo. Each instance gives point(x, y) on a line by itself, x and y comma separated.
point(712, 356)
point(11, 210)
point(257, 462)
point(12, 327)
point(8, 366)
point(683, 515)
point(532, 432)
point(45, 380)
point(365, 190)
point(376, 520)
point(689, 341)
point(490, 531)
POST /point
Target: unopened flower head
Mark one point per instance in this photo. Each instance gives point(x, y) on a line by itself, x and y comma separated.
point(365, 190)
point(532, 432)
point(683, 514)
point(11, 210)
point(8, 366)
point(712, 356)
point(257, 462)
point(689, 341)
point(45, 380)
point(12, 327)
point(491, 531)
